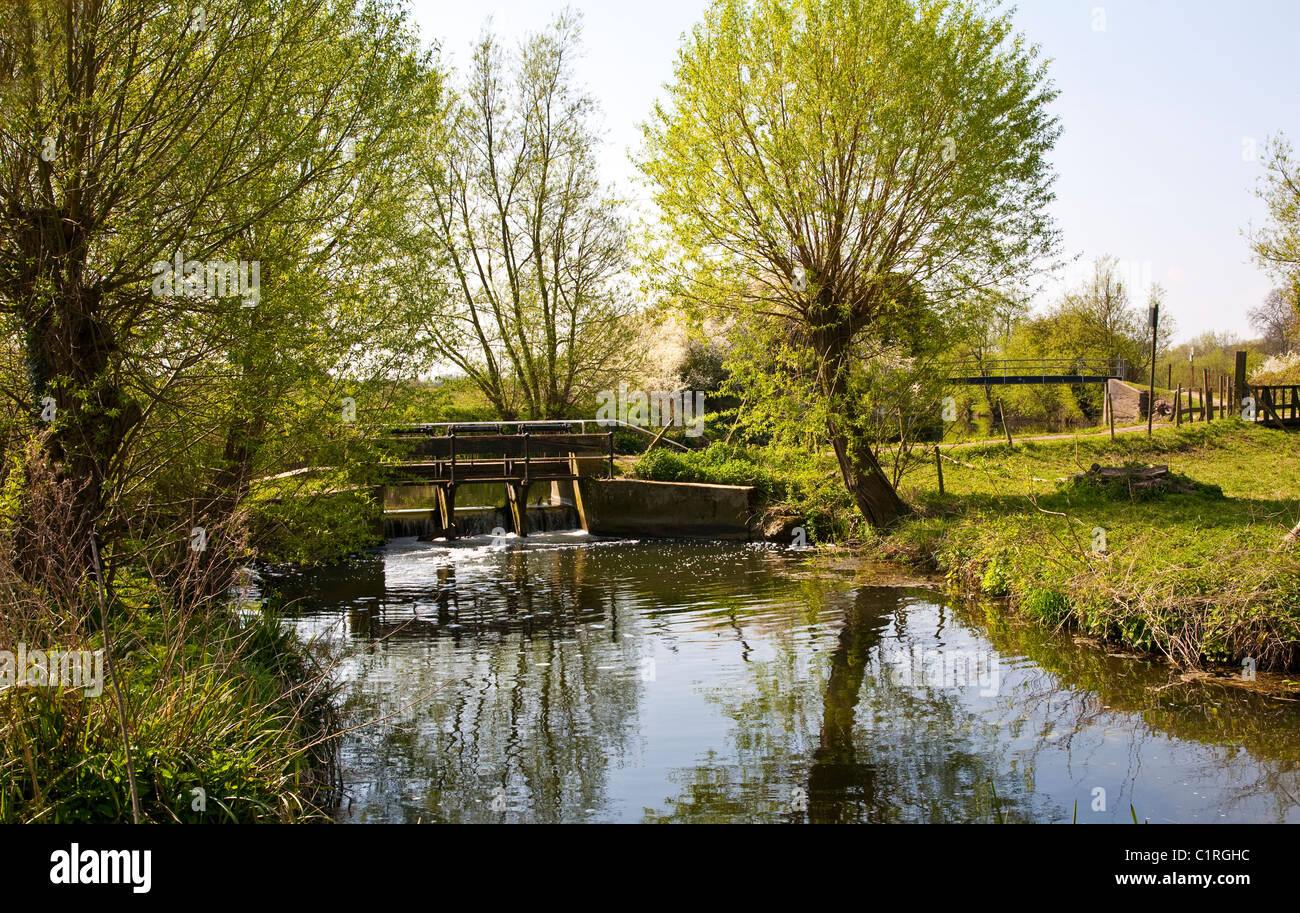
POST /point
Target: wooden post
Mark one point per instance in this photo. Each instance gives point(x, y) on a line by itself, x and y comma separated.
point(1110, 411)
point(453, 456)
point(447, 509)
point(1169, 376)
point(517, 497)
point(1239, 383)
point(577, 491)
point(1151, 396)
point(938, 467)
point(611, 454)
point(1178, 407)
point(1207, 398)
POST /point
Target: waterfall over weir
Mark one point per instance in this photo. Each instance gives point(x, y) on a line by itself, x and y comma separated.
point(479, 521)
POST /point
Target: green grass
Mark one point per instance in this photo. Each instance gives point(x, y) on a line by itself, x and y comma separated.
point(229, 719)
point(1197, 577)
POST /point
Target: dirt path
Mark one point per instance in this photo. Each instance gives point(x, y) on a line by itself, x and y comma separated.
point(1127, 429)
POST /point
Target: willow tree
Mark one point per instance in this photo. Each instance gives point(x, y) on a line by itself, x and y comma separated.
point(1277, 245)
point(142, 135)
point(834, 165)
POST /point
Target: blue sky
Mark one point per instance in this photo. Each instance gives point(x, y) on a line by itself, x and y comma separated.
point(1160, 103)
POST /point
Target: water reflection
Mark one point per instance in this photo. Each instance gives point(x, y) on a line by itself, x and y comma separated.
point(567, 679)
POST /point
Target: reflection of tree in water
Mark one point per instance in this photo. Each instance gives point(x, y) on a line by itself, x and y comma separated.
point(841, 745)
point(505, 696)
point(1228, 732)
point(519, 674)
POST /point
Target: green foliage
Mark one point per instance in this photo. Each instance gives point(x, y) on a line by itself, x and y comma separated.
point(1277, 244)
point(523, 289)
point(222, 711)
point(1047, 605)
point(848, 276)
point(996, 580)
point(308, 525)
point(718, 464)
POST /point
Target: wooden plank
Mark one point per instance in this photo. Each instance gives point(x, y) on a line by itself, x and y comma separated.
point(1265, 398)
point(1239, 382)
point(447, 510)
point(517, 498)
point(498, 445)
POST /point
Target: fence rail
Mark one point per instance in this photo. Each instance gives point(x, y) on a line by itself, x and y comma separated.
point(1276, 404)
point(1037, 370)
point(553, 426)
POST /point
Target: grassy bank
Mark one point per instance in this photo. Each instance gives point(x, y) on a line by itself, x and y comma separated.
point(228, 715)
point(1199, 577)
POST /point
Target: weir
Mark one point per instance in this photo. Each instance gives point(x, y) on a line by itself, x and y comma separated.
point(525, 458)
point(448, 481)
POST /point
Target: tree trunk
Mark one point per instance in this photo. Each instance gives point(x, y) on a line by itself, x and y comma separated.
point(842, 789)
point(71, 353)
point(865, 480)
point(863, 477)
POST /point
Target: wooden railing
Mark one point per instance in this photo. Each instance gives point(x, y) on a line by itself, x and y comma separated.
point(517, 458)
point(514, 453)
point(1276, 404)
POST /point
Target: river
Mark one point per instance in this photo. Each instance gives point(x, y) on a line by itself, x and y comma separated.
point(562, 678)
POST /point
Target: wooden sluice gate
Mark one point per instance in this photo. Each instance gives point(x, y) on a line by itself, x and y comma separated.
point(514, 454)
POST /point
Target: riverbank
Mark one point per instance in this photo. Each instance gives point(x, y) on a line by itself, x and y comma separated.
point(1200, 577)
point(229, 715)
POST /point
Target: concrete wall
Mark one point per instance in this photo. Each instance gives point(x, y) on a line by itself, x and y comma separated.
point(629, 507)
point(1127, 402)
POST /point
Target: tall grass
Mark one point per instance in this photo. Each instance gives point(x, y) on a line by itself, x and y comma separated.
point(227, 714)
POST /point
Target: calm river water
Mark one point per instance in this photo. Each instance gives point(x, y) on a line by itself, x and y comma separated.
point(566, 678)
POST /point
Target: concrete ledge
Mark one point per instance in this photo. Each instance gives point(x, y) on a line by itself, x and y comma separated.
point(665, 510)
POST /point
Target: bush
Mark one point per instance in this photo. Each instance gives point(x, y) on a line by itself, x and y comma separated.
point(315, 525)
point(717, 464)
point(1047, 605)
point(1279, 369)
point(996, 580)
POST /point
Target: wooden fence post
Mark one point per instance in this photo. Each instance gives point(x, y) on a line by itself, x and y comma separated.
point(1110, 411)
point(1178, 407)
point(1239, 383)
point(938, 467)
